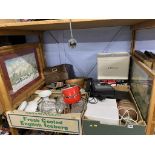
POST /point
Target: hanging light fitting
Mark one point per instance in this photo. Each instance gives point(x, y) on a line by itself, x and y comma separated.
point(71, 42)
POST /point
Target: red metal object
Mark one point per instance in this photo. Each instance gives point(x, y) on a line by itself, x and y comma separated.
point(108, 81)
point(71, 95)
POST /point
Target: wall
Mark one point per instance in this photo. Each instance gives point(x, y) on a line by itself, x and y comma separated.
point(145, 40)
point(90, 42)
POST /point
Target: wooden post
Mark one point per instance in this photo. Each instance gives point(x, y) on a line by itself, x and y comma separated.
point(133, 42)
point(6, 101)
point(4, 97)
point(41, 39)
point(1, 108)
point(151, 118)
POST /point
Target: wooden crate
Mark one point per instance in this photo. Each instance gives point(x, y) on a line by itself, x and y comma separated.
point(142, 97)
point(93, 127)
point(63, 123)
point(68, 123)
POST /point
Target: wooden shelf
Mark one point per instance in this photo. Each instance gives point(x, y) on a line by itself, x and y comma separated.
point(145, 25)
point(44, 25)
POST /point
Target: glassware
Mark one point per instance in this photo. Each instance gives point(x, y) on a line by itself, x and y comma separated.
point(78, 107)
point(60, 105)
point(47, 105)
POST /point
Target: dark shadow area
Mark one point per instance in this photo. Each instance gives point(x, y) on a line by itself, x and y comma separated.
point(12, 40)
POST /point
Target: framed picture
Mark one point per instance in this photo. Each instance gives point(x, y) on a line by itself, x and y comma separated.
point(20, 69)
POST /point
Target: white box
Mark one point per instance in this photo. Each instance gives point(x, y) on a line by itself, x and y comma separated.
point(105, 111)
point(113, 66)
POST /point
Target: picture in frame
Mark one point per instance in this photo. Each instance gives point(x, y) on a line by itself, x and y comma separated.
point(20, 69)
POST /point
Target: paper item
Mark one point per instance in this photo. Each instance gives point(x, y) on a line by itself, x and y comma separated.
point(108, 102)
point(22, 105)
point(104, 111)
point(31, 107)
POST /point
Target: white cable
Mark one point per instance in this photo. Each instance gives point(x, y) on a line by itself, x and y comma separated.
point(92, 100)
point(70, 24)
point(128, 119)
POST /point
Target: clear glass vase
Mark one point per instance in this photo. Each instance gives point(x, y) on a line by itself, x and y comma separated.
point(60, 105)
point(47, 105)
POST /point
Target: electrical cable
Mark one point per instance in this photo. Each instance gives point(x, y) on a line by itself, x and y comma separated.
point(70, 24)
point(71, 42)
point(128, 119)
point(93, 100)
point(70, 59)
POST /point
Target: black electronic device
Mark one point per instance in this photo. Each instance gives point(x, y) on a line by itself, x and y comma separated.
point(99, 90)
point(102, 91)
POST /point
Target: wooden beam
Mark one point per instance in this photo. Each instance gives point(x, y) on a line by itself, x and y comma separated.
point(133, 42)
point(1, 108)
point(153, 122)
point(145, 25)
point(150, 126)
point(41, 39)
point(5, 99)
point(4, 49)
point(18, 32)
point(14, 131)
point(64, 24)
